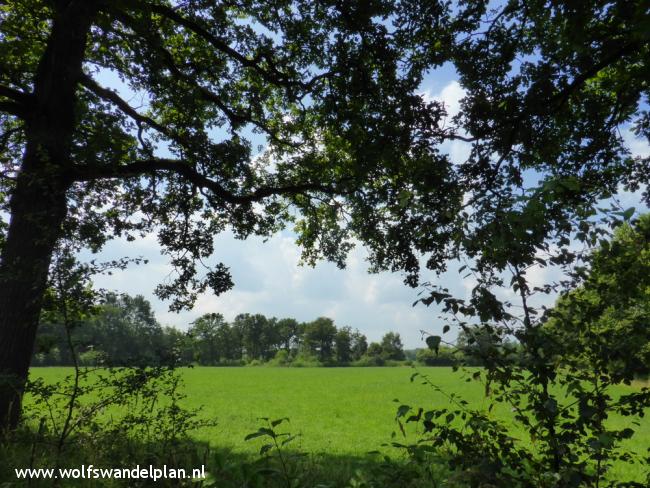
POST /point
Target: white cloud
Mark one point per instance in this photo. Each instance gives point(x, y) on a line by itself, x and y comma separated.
point(638, 145)
point(450, 96)
point(269, 280)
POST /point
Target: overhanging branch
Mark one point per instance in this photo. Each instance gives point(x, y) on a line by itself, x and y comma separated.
point(13, 108)
point(17, 103)
point(183, 169)
point(14, 94)
point(581, 78)
point(120, 103)
point(272, 76)
point(236, 117)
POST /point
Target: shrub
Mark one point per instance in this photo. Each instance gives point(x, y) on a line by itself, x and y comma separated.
point(305, 359)
point(92, 358)
point(281, 358)
point(427, 357)
point(369, 361)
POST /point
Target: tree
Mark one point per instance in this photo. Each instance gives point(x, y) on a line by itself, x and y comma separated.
point(359, 345)
point(603, 323)
point(126, 330)
point(252, 330)
point(445, 357)
point(230, 342)
point(329, 88)
point(392, 347)
point(343, 345)
point(121, 328)
point(375, 350)
point(319, 337)
point(288, 333)
point(178, 347)
point(544, 111)
point(207, 335)
point(476, 342)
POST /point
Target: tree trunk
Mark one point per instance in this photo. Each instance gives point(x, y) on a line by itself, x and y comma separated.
point(38, 200)
point(38, 208)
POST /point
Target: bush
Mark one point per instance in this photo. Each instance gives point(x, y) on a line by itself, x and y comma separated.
point(281, 358)
point(427, 357)
point(92, 358)
point(231, 362)
point(369, 361)
point(305, 359)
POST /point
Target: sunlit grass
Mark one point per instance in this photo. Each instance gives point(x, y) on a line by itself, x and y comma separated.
point(338, 411)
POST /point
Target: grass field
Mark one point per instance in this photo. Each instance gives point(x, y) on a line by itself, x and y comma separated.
point(337, 411)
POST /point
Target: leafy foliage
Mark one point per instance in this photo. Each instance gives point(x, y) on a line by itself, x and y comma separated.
point(602, 323)
point(558, 379)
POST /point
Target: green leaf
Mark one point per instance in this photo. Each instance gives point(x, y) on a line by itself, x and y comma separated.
point(434, 343)
point(263, 431)
point(627, 214)
point(402, 410)
point(265, 448)
point(279, 421)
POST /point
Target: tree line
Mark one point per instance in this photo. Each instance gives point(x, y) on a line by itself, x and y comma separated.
point(123, 330)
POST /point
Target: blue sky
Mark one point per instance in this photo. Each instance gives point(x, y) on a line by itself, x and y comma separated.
point(269, 280)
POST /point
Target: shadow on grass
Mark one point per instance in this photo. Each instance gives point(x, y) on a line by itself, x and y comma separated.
point(222, 467)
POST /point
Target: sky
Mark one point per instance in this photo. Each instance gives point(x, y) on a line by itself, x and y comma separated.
point(269, 279)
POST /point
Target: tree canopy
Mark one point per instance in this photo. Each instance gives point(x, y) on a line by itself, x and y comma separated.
point(121, 330)
point(351, 148)
point(326, 87)
point(603, 323)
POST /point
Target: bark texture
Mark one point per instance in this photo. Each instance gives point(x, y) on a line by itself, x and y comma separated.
point(38, 201)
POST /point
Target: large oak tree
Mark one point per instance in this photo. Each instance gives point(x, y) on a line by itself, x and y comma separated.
point(124, 116)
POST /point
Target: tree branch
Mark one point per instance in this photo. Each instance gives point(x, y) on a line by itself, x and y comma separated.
point(113, 97)
point(6, 136)
point(13, 108)
point(274, 76)
point(235, 117)
point(182, 168)
point(14, 94)
point(456, 137)
point(581, 78)
point(17, 103)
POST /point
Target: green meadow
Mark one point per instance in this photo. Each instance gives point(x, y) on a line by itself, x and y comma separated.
point(342, 412)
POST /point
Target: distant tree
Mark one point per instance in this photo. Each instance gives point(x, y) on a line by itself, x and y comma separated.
point(374, 350)
point(343, 345)
point(319, 338)
point(444, 357)
point(208, 339)
point(230, 343)
point(125, 329)
point(47, 351)
point(253, 331)
point(476, 343)
point(271, 340)
point(178, 346)
point(288, 331)
point(392, 347)
point(410, 354)
point(122, 330)
point(359, 345)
